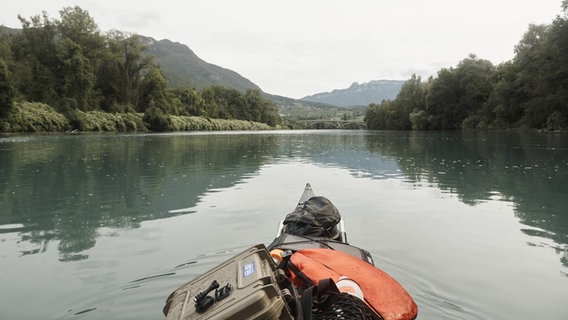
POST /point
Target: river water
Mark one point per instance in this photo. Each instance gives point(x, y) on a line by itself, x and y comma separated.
point(104, 226)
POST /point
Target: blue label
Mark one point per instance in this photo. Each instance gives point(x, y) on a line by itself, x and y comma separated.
point(248, 269)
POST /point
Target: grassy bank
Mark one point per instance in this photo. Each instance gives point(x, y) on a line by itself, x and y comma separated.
point(39, 117)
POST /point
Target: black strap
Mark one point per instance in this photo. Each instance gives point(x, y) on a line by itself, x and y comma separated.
point(307, 301)
point(288, 264)
point(316, 293)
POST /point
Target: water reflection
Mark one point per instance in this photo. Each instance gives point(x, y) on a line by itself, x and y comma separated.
point(529, 170)
point(65, 188)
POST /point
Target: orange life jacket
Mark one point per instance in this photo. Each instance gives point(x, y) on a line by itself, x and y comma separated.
point(381, 291)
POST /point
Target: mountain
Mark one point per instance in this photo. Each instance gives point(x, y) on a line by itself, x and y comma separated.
point(183, 68)
point(9, 31)
point(359, 94)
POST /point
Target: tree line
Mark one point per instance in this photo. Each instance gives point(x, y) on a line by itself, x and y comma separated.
point(69, 65)
point(529, 91)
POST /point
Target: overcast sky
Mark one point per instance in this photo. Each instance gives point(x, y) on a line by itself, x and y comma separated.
point(299, 47)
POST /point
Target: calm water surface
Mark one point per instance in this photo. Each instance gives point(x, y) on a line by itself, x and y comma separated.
point(474, 225)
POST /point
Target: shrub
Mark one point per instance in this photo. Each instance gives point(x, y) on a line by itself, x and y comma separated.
point(157, 120)
point(103, 121)
point(34, 117)
point(192, 123)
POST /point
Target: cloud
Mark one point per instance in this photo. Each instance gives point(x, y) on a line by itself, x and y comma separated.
point(297, 47)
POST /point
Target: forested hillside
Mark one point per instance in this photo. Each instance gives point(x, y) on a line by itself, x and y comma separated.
point(530, 91)
point(80, 78)
point(183, 68)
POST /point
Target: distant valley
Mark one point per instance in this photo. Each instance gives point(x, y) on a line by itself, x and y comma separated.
point(182, 67)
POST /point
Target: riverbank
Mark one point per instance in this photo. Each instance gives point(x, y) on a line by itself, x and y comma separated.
point(39, 118)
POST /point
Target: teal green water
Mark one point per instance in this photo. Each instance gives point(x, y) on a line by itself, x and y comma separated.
point(474, 225)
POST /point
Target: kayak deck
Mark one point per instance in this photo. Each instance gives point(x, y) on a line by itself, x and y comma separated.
point(270, 282)
point(285, 241)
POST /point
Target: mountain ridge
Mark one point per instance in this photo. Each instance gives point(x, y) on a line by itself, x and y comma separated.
point(373, 91)
point(183, 68)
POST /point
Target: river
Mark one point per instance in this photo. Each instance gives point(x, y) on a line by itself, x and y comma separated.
point(104, 226)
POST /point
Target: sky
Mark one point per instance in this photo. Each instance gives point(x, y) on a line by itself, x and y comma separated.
point(296, 48)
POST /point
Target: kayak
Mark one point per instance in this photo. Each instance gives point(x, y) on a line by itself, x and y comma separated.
point(309, 271)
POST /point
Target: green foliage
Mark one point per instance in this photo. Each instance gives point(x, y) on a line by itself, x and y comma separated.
point(35, 53)
point(419, 120)
point(77, 78)
point(187, 102)
point(6, 91)
point(528, 92)
point(99, 81)
point(222, 103)
point(412, 96)
point(157, 119)
point(83, 74)
point(395, 115)
point(104, 121)
point(191, 123)
point(78, 26)
point(132, 65)
point(68, 63)
point(377, 115)
point(153, 91)
point(34, 117)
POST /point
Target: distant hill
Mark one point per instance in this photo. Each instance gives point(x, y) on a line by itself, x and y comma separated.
point(183, 68)
point(359, 94)
point(305, 110)
point(6, 30)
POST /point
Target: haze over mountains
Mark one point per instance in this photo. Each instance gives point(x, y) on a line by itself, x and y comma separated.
point(182, 67)
point(359, 94)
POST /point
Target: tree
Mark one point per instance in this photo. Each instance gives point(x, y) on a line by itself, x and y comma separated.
point(221, 102)
point(541, 60)
point(78, 26)
point(503, 108)
point(131, 63)
point(35, 55)
point(442, 101)
point(5, 46)
point(376, 115)
point(108, 80)
point(556, 62)
point(476, 80)
point(153, 91)
point(190, 101)
point(77, 77)
point(6, 91)
point(254, 105)
point(411, 97)
point(459, 93)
